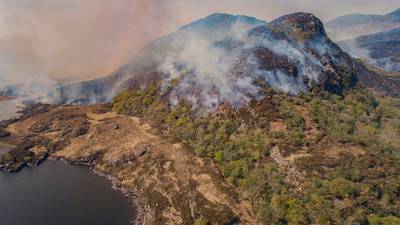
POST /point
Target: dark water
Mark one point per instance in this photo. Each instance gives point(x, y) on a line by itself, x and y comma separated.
point(59, 194)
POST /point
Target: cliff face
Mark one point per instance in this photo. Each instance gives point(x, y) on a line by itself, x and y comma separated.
point(222, 57)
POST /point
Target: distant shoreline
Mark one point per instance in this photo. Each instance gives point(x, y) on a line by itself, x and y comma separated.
point(5, 98)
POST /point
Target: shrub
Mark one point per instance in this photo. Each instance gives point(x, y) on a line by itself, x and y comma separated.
point(342, 132)
point(296, 137)
point(201, 221)
point(7, 157)
point(235, 170)
point(340, 188)
point(218, 156)
point(383, 220)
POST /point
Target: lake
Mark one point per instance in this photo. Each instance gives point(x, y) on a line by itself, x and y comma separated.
point(58, 193)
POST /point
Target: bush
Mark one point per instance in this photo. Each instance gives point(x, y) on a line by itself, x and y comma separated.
point(201, 221)
point(235, 170)
point(342, 132)
point(340, 188)
point(218, 156)
point(383, 220)
point(7, 157)
point(296, 137)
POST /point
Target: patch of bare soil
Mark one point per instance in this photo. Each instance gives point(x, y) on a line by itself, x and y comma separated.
point(278, 126)
point(174, 186)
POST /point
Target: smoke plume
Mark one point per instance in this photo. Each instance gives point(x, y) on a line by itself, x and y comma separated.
point(208, 71)
point(70, 40)
point(45, 42)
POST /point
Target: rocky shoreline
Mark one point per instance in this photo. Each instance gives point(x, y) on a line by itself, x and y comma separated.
point(38, 159)
point(131, 195)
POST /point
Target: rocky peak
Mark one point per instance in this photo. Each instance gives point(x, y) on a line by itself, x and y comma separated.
point(301, 27)
point(210, 63)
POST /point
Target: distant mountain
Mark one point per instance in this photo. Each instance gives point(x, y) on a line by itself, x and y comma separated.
point(395, 15)
point(219, 25)
point(228, 59)
point(381, 50)
point(378, 80)
point(354, 25)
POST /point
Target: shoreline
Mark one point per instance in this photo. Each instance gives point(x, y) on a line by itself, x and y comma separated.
point(7, 98)
point(130, 195)
point(152, 171)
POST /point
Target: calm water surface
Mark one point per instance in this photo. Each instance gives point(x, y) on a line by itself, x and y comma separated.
point(59, 194)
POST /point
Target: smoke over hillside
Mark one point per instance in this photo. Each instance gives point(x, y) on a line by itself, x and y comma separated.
point(381, 50)
point(209, 72)
point(70, 40)
point(230, 59)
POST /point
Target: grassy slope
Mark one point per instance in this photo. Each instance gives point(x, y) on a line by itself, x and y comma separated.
point(318, 158)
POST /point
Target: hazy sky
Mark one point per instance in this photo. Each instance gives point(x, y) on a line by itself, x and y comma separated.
point(80, 39)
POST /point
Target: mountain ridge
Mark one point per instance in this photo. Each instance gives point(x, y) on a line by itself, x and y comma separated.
point(353, 25)
point(296, 42)
point(381, 50)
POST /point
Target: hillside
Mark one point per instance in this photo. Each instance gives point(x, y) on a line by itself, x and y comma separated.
point(291, 53)
point(230, 120)
point(354, 25)
point(149, 59)
point(381, 50)
point(378, 80)
point(374, 42)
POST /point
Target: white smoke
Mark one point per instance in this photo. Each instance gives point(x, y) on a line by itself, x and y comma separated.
point(207, 76)
point(25, 82)
point(356, 51)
